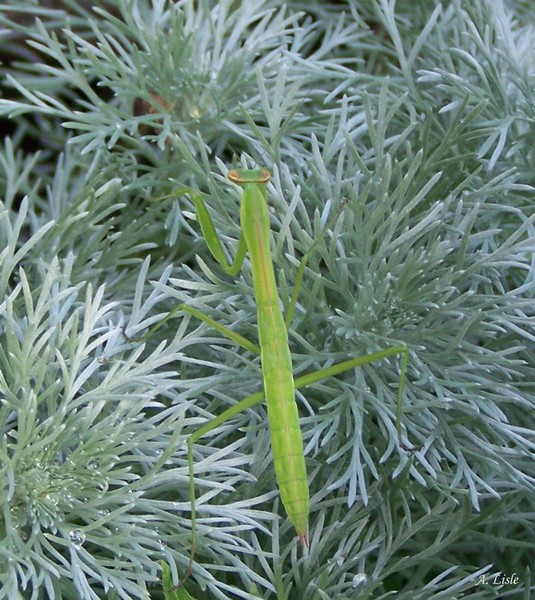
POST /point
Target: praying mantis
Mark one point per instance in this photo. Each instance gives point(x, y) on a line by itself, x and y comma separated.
point(279, 384)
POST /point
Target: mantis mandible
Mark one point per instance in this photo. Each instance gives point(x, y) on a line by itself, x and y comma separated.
point(279, 384)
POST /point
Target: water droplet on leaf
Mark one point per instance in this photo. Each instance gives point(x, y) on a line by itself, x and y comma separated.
point(77, 537)
point(92, 465)
point(358, 579)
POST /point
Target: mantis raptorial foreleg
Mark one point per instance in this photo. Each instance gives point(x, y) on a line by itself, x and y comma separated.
point(279, 384)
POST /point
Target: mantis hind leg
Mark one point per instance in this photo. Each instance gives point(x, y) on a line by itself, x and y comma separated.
point(194, 437)
point(359, 361)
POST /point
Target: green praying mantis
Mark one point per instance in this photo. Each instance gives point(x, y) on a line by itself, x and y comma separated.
point(279, 384)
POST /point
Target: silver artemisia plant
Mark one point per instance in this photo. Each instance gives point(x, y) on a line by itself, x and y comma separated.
point(408, 128)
